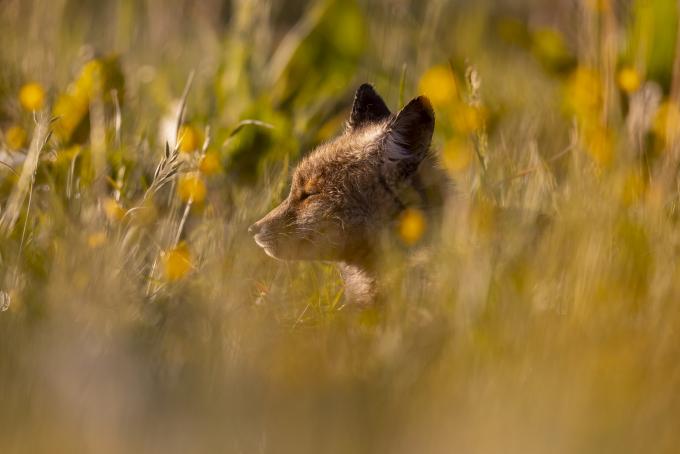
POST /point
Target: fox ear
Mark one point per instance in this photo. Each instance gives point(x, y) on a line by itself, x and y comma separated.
point(368, 107)
point(408, 137)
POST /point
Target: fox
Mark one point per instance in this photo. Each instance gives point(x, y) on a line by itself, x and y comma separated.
point(348, 191)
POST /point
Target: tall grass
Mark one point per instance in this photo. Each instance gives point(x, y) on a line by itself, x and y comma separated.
point(138, 315)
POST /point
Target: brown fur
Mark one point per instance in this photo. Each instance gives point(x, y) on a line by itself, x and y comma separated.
point(349, 190)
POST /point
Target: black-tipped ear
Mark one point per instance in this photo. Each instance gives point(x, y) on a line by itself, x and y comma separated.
point(408, 137)
point(368, 107)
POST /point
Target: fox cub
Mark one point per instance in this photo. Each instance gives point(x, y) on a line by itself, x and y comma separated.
point(348, 191)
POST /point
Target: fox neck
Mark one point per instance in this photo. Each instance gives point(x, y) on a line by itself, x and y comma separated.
point(360, 282)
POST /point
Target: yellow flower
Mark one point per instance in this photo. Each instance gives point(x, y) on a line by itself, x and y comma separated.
point(600, 145)
point(412, 225)
point(32, 96)
point(457, 154)
point(550, 48)
point(191, 188)
point(15, 137)
point(468, 119)
point(190, 137)
point(629, 79)
point(177, 262)
point(210, 164)
point(96, 239)
point(112, 209)
point(98, 80)
point(666, 124)
point(438, 84)
point(70, 111)
point(583, 94)
point(92, 79)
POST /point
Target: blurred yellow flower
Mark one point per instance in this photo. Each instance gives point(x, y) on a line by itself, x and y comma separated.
point(666, 124)
point(411, 225)
point(191, 188)
point(549, 46)
point(468, 119)
point(112, 209)
point(15, 137)
point(457, 154)
point(177, 262)
point(190, 138)
point(583, 95)
point(32, 96)
point(98, 80)
point(438, 84)
point(70, 110)
point(93, 78)
point(629, 79)
point(96, 239)
point(210, 164)
point(600, 145)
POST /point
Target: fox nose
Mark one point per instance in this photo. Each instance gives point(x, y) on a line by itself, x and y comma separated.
point(254, 229)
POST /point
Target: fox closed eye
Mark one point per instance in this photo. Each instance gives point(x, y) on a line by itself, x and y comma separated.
point(304, 195)
point(308, 187)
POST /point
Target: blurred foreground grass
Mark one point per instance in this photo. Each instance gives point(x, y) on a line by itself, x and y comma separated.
point(138, 316)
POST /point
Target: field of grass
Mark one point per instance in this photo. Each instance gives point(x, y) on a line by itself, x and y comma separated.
point(140, 138)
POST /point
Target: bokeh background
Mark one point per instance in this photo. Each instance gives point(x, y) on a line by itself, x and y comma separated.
point(538, 313)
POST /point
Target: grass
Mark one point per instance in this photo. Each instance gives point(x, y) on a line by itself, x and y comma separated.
point(138, 314)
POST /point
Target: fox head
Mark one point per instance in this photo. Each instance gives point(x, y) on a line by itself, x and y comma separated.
point(346, 191)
